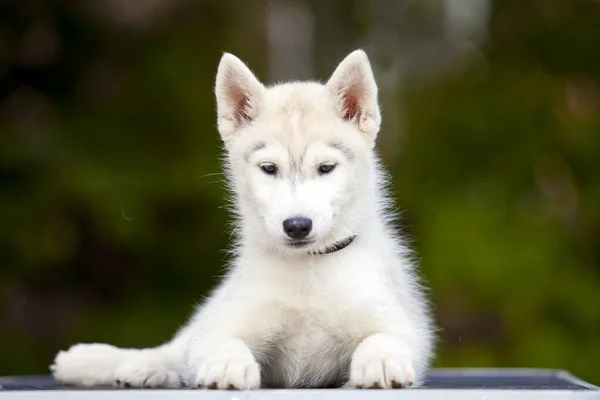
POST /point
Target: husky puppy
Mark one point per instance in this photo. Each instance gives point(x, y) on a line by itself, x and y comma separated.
point(321, 290)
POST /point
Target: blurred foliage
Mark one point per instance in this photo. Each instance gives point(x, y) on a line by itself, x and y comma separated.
point(111, 218)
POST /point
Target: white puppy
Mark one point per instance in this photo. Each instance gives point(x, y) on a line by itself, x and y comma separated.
point(321, 291)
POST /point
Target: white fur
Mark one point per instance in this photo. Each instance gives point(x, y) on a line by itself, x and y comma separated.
point(283, 317)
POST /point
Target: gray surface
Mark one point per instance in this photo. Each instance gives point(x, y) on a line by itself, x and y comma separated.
point(446, 384)
point(522, 379)
point(429, 394)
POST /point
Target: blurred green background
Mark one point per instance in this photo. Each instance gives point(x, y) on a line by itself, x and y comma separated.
point(111, 218)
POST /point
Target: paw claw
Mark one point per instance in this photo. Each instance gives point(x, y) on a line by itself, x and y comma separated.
point(400, 385)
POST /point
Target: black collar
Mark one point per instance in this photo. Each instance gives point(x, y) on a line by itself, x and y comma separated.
point(337, 246)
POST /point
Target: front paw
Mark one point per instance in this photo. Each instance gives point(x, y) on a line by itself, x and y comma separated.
point(229, 372)
point(381, 373)
point(381, 362)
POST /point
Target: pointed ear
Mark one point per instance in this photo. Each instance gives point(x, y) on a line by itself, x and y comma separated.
point(238, 94)
point(354, 92)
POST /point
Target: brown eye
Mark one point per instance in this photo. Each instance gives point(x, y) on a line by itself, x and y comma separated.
point(269, 169)
point(326, 168)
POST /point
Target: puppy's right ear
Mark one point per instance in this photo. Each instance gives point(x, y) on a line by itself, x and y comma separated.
point(238, 95)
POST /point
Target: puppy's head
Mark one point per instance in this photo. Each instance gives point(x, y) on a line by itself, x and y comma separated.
point(299, 154)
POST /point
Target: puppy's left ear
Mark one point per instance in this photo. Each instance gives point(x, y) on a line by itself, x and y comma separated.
point(354, 92)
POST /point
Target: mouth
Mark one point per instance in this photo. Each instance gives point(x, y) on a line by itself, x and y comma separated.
point(299, 243)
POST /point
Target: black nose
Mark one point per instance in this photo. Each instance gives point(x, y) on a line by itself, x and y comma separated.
point(297, 228)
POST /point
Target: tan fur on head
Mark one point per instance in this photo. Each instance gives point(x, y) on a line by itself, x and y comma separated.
point(351, 92)
point(238, 95)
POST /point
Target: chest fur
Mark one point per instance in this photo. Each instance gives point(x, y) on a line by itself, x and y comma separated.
point(317, 334)
point(313, 347)
point(312, 321)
